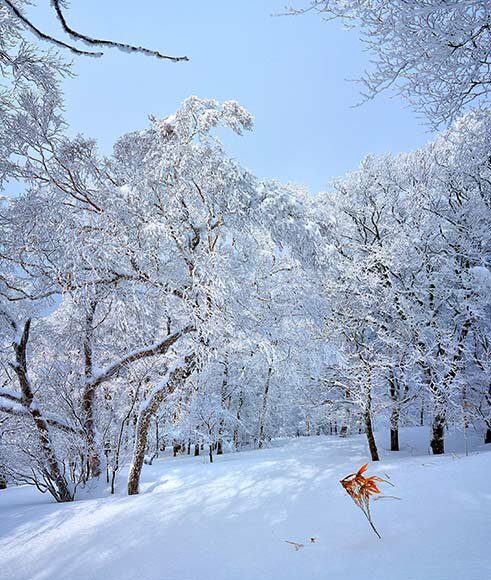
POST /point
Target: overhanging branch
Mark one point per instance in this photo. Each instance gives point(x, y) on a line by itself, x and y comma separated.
point(96, 42)
point(110, 43)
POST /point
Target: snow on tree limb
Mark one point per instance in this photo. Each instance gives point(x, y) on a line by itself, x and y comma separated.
point(436, 53)
point(57, 6)
point(109, 43)
point(160, 347)
point(43, 36)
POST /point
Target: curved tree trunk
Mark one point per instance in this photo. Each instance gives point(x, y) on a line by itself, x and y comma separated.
point(175, 378)
point(93, 382)
point(52, 473)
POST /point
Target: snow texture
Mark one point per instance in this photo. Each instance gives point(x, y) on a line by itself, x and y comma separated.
point(229, 520)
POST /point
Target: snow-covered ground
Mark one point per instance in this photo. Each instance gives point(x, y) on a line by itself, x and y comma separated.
point(229, 520)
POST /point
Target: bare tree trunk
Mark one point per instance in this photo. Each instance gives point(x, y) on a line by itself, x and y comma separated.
point(157, 442)
point(343, 431)
point(264, 411)
point(237, 416)
point(175, 378)
point(487, 437)
point(89, 393)
point(394, 434)
point(223, 400)
point(56, 482)
point(88, 408)
point(394, 418)
point(437, 440)
point(437, 437)
point(369, 428)
point(92, 383)
point(371, 437)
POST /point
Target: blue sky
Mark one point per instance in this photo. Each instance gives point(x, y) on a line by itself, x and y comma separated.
point(289, 72)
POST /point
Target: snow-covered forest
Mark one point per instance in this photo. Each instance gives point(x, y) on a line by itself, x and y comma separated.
point(163, 301)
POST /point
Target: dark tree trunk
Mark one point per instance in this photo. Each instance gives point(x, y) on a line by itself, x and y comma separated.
point(264, 411)
point(236, 430)
point(437, 440)
point(394, 418)
point(219, 447)
point(52, 472)
point(394, 439)
point(487, 437)
point(196, 449)
point(394, 430)
point(210, 454)
point(157, 438)
point(372, 445)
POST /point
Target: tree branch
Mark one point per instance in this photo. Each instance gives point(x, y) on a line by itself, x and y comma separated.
point(158, 348)
point(57, 4)
point(40, 34)
point(99, 42)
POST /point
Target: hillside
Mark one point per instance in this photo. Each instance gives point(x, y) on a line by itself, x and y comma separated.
point(229, 520)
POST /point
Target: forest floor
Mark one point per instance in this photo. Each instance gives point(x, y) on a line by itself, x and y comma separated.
point(230, 520)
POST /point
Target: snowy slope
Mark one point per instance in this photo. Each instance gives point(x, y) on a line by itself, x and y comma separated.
point(230, 520)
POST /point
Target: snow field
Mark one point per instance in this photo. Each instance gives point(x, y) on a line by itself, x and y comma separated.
point(229, 520)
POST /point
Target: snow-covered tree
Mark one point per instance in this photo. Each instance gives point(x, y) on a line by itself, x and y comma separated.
point(435, 53)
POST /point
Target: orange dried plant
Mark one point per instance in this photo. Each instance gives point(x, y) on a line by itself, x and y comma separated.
point(361, 489)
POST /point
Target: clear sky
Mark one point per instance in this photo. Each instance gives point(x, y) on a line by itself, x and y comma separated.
point(289, 72)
